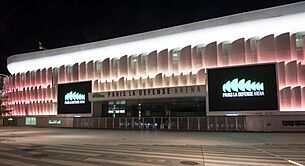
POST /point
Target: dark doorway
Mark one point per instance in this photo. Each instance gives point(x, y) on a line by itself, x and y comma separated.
point(165, 107)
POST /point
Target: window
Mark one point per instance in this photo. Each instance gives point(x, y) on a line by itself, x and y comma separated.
point(253, 49)
point(198, 56)
point(114, 67)
point(143, 63)
point(175, 59)
point(299, 39)
point(98, 69)
point(133, 65)
point(116, 107)
point(30, 121)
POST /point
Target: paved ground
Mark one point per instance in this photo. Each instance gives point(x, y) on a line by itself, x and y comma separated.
point(87, 147)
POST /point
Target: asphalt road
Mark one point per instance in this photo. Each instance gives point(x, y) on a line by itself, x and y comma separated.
point(26, 146)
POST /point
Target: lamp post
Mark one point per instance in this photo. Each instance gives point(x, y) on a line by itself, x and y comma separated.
point(140, 112)
point(113, 111)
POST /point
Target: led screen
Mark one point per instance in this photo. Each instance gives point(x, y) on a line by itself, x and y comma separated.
point(242, 88)
point(73, 98)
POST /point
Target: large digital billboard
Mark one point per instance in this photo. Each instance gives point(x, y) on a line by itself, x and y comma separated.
point(73, 98)
point(243, 88)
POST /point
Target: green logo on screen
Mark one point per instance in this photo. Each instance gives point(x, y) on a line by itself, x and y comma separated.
point(242, 88)
point(73, 97)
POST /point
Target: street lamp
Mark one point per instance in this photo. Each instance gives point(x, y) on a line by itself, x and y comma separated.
point(139, 109)
point(113, 111)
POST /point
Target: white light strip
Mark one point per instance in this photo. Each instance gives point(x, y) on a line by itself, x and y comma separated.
point(232, 114)
point(293, 162)
point(257, 28)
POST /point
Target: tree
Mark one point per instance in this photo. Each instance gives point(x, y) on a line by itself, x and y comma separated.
point(4, 111)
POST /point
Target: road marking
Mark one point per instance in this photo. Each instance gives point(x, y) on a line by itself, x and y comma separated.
point(233, 162)
point(293, 162)
point(283, 158)
point(250, 160)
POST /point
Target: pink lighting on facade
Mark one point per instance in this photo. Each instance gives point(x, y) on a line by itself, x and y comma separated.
point(35, 92)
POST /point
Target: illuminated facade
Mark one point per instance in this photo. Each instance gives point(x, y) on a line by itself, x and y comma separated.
point(2, 78)
point(173, 57)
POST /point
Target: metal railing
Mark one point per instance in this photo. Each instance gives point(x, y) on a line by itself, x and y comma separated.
point(164, 123)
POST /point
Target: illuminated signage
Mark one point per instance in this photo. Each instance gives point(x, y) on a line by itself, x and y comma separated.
point(52, 122)
point(242, 88)
point(183, 91)
point(98, 95)
point(74, 98)
point(116, 111)
point(30, 121)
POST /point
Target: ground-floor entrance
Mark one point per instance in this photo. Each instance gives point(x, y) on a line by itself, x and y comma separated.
point(161, 107)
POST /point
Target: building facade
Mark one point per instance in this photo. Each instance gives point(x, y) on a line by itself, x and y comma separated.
point(2, 80)
point(210, 75)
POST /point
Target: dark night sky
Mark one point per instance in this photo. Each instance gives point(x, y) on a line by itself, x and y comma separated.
point(60, 23)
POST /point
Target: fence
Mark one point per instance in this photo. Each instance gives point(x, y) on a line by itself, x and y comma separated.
point(165, 123)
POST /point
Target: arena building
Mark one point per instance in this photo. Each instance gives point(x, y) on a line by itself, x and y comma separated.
point(243, 72)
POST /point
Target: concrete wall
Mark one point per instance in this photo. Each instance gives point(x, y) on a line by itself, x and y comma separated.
point(273, 123)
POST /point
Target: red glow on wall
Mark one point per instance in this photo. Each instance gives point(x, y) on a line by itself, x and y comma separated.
point(35, 93)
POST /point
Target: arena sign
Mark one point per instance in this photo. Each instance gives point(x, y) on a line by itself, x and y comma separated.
point(73, 97)
point(166, 92)
point(242, 88)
